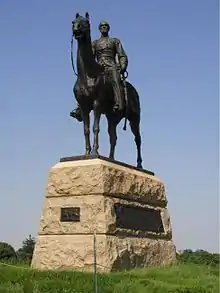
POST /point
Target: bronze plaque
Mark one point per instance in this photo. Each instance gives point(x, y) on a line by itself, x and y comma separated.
point(138, 218)
point(70, 214)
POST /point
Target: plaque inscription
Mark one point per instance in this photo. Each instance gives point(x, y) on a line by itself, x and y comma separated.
point(138, 218)
point(70, 214)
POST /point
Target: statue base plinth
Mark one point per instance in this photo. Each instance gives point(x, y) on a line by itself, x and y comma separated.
point(125, 208)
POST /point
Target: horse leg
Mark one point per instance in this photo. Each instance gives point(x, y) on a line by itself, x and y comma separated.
point(96, 129)
point(86, 125)
point(112, 136)
point(135, 128)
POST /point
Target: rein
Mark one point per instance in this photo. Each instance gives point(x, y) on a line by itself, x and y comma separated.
point(72, 58)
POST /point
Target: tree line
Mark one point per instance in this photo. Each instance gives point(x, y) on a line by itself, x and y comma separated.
point(200, 257)
point(23, 254)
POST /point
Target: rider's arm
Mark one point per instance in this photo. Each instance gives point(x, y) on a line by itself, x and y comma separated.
point(122, 56)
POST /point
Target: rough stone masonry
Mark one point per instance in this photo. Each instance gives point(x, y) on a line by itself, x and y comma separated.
point(126, 209)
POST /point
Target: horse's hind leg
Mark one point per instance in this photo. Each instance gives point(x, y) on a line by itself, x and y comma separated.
point(135, 128)
point(112, 137)
point(113, 121)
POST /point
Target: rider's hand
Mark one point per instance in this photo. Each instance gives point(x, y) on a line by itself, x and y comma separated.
point(122, 71)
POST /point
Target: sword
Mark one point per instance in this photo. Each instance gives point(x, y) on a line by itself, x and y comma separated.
point(124, 76)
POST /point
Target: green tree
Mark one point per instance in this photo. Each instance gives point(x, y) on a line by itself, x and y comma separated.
point(7, 252)
point(25, 253)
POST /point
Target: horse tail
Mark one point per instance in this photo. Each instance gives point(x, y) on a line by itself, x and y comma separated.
point(126, 101)
point(132, 105)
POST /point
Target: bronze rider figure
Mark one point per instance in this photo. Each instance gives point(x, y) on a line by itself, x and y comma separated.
point(105, 50)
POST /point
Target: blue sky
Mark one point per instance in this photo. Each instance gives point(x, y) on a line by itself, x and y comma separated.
point(173, 62)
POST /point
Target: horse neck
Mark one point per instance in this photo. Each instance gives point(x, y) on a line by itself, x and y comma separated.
point(86, 65)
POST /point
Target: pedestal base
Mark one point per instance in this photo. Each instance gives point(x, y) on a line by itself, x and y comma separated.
point(113, 252)
point(124, 207)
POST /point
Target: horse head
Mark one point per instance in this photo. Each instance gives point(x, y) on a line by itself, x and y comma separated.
point(81, 27)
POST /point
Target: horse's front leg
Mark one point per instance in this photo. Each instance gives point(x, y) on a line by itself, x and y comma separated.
point(96, 129)
point(86, 125)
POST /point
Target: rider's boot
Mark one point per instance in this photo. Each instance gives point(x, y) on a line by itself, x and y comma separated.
point(76, 113)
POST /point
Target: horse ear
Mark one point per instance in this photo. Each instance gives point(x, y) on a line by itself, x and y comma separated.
point(77, 14)
point(87, 15)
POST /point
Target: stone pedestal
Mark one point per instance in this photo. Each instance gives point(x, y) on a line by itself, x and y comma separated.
point(123, 206)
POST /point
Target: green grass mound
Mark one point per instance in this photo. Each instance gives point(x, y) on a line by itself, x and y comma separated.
point(176, 279)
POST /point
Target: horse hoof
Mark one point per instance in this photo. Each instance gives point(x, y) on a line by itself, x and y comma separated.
point(139, 166)
point(87, 153)
point(94, 153)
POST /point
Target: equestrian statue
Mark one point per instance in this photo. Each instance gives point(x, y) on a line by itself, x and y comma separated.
point(101, 86)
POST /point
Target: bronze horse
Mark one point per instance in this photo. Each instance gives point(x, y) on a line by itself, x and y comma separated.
point(93, 92)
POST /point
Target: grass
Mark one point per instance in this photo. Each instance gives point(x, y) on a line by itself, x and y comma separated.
point(176, 279)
